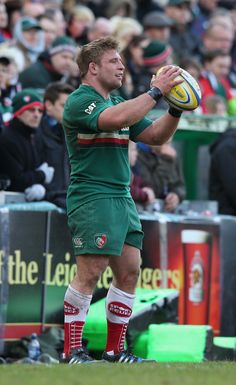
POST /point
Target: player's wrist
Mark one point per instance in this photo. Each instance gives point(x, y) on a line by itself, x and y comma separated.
point(175, 112)
point(155, 93)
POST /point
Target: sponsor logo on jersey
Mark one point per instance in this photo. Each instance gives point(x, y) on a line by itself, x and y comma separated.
point(78, 242)
point(100, 240)
point(70, 309)
point(90, 108)
point(119, 309)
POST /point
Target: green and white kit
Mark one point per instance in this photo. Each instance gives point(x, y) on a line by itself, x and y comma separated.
point(100, 174)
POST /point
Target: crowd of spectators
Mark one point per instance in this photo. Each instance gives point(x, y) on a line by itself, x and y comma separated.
point(39, 40)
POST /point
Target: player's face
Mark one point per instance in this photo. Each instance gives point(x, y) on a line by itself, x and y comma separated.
point(111, 70)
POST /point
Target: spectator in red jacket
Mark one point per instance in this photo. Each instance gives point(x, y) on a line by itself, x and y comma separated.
point(214, 80)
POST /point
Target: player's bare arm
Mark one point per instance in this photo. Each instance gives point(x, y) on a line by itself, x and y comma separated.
point(159, 131)
point(131, 111)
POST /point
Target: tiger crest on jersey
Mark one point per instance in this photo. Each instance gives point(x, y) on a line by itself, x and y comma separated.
point(100, 240)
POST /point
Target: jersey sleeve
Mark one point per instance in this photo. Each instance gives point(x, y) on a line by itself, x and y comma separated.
point(84, 113)
point(139, 127)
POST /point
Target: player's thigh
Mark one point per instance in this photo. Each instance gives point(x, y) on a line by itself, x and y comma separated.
point(134, 236)
point(128, 263)
point(99, 227)
point(90, 268)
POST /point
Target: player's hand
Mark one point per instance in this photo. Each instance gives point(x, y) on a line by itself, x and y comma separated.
point(167, 78)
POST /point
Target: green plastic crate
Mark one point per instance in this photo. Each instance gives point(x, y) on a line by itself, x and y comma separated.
point(180, 343)
point(224, 348)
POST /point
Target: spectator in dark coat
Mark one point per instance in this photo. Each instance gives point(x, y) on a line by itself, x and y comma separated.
point(161, 169)
point(222, 179)
point(56, 64)
point(19, 159)
point(50, 141)
point(182, 40)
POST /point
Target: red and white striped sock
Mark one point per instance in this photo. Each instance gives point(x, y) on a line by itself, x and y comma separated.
point(76, 306)
point(119, 306)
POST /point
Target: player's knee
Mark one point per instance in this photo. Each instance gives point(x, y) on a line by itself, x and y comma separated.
point(90, 277)
point(130, 277)
point(94, 274)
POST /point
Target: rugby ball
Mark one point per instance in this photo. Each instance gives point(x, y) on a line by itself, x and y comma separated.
point(185, 96)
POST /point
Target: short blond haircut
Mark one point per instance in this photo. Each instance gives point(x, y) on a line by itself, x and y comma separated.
point(93, 52)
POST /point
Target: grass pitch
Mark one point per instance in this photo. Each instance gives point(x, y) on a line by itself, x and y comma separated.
point(208, 373)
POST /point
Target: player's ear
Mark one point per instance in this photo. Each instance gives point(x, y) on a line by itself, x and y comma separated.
point(93, 68)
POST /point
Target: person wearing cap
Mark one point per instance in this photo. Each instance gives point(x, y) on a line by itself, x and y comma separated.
point(182, 40)
point(19, 159)
point(157, 26)
point(156, 54)
point(55, 64)
point(29, 39)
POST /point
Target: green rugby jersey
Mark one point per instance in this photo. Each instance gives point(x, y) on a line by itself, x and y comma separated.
point(99, 159)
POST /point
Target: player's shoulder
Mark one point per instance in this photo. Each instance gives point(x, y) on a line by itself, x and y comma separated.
point(76, 95)
point(82, 96)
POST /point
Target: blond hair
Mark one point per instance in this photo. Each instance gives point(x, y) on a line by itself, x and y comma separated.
point(82, 13)
point(124, 28)
point(93, 52)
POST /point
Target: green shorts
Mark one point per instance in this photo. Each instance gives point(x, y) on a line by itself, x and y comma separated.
point(103, 226)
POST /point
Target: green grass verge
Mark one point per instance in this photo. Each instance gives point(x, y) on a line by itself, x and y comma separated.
point(209, 373)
